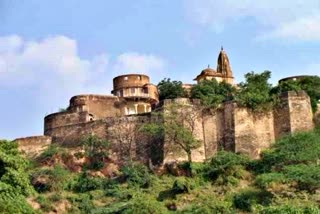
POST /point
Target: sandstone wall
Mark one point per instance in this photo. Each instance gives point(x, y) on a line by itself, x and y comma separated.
point(230, 127)
point(32, 146)
point(253, 131)
point(63, 119)
point(98, 106)
point(293, 114)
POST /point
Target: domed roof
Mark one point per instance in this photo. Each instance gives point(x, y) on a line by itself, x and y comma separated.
point(208, 71)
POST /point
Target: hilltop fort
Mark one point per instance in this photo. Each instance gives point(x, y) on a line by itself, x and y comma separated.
point(117, 118)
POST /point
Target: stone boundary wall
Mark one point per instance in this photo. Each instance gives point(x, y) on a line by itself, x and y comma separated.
point(99, 106)
point(230, 127)
point(63, 119)
point(32, 146)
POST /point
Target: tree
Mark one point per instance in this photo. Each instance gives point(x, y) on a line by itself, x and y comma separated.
point(14, 181)
point(254, 93)
point(310, 84)
point(211, 93)
point(96, 150)
point(178, 127)
point(170, 89)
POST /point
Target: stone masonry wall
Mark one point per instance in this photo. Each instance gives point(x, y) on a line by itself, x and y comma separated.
point(32, 146)
point(253, 131)
point(230, 127)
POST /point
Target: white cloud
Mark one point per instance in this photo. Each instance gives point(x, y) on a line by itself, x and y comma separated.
point(285, 18)
point(132, 62)
point(306, 28)
point(53, 70)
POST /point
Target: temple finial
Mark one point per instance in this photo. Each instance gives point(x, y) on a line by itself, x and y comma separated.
point(221, 48)
point(208, 65)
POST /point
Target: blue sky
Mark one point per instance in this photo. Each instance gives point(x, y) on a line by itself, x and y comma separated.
point(52, 50)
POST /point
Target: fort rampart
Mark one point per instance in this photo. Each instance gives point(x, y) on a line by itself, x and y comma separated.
point(230, 127)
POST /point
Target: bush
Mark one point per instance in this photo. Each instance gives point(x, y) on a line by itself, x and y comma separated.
point(50, 179)
point(136, 175)
point(85, 183)
point(96, 151)
point(45, 204)
point(227, 167)
point(307, 176)
point(49, 152)
point(290, 209)
point(301, 148)
point(247, 199)
point(14, 181)
point(145, 205)
point(266, 180)
point(208, 205)
point(16, 204)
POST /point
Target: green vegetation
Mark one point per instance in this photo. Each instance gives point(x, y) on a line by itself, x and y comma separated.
point(170, 89)
point(285, 180)
point(255, 92)
point(96, 151)
point(211, 93)
point(14, 182)
point(311, 85)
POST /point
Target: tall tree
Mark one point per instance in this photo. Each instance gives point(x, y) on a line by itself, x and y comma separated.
point(211, 93)
point(254, 93)
point(170, 89)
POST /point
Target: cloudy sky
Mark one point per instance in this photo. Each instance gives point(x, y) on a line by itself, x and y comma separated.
point(52, 50)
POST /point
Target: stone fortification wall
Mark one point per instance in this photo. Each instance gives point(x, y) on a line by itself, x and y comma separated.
point(99, 106)
point(293, 114)
point(32, 146)
point(229, 127)
point(126, 142)
point(63, 119)
point(253, 131)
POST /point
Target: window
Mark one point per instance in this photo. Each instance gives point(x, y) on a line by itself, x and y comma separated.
point(139, 77)
point(145, 90)
point(125, 78)
point(121, 93)
point(133, 90)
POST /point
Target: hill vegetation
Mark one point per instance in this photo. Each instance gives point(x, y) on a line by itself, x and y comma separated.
point(285, 180)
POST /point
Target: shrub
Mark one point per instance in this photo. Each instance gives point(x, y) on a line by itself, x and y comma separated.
point(298, 148)
point(208, 205)
point(44, 203)
point(307, 176)
point(16, 204)
point(14, 181)
point(49, 152)
point(85, 183)
point(145, 205)
point(227, 167)
point(266, 180)
point(248, 198)
point(290, 209)
point(50, 179)
point(136, 175)
point(96, 151)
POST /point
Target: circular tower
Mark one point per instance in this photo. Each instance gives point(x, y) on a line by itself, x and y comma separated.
point(137, 94)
